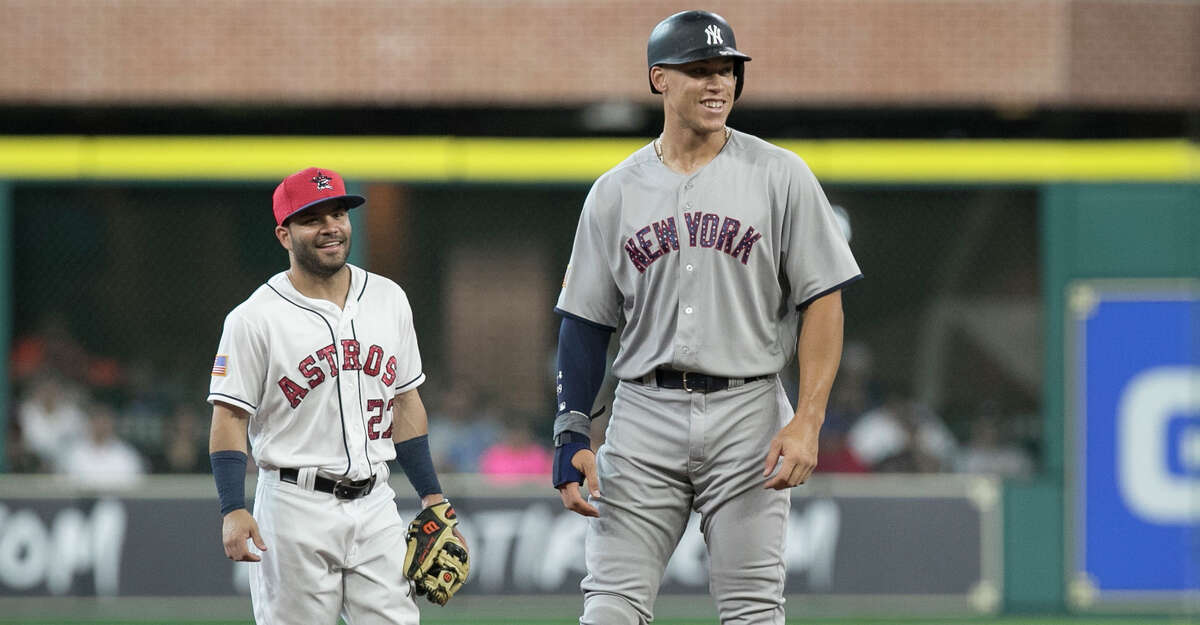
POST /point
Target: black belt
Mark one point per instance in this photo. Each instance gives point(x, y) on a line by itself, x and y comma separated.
point(698, 382)
point(342, 489)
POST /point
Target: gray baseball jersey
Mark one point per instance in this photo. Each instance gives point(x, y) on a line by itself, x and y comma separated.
point(708, 269)
point(709, 272)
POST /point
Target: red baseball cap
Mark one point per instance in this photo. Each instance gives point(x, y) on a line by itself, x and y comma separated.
point(310, 187)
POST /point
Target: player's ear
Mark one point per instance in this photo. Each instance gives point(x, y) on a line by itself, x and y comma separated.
point(285, 237)
point(658, 77)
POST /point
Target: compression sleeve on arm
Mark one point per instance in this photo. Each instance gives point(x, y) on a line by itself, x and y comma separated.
point(581, 355)
point(229, 472)
point(414, 458)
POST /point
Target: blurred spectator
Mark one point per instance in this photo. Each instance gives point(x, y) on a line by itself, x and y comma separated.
point(101, 460)
point(462, 425)
point(516, 457)
point(185, 448)
point(145, 412)
point(987, 451)
point(855, 390)
point(906, 432)
point(913, 457)
point(18, 458)
point(835, 454)
point(51, 419)
point(52, 348)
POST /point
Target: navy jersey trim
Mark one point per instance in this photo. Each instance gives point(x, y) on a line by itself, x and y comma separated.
point(400, 386)
point(831, 289)
point(366, 276)
point(236, 399)
point(584, 320)
point(333, 338)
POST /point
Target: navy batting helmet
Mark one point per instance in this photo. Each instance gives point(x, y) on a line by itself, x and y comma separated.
point(692, 36)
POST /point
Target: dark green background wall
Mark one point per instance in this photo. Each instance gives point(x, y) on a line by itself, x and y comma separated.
point(1088, 231)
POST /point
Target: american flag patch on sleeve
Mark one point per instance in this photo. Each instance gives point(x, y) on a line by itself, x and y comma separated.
point(219, 364)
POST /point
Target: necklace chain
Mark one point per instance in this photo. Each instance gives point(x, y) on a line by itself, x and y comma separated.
point(658, 144)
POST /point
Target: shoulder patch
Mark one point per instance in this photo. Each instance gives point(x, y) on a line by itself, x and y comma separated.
point(220, 363)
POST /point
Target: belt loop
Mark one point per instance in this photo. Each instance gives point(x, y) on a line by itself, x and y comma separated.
point(651, 379)
point(306, 478)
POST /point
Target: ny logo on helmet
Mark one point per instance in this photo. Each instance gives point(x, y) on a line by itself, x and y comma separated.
point(714, 35)
point(322, 181)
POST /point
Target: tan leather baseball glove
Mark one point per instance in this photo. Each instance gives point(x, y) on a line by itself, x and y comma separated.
point(436, 559)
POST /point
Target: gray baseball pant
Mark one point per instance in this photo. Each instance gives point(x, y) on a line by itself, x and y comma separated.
point(668, 452)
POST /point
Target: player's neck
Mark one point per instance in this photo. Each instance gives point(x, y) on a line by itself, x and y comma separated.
point(332, 289)
point(685, 150)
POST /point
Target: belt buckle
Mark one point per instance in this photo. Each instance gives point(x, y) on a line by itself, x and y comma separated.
point(685, 383)
point(347, 489)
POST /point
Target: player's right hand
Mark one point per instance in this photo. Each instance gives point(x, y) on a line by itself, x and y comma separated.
point(584, 461)
point(236, 528)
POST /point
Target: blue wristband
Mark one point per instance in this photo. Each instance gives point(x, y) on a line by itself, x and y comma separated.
point(413, 457)
point(564, 472)
point(229, 471)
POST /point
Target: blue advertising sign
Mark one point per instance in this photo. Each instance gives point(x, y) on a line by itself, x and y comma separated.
point(1133, 478)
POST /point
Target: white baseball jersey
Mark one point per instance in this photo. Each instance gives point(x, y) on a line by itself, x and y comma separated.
point(318, 381)
point(708, 269)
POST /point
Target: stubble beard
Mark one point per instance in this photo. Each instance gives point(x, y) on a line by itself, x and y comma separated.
point(309, 260)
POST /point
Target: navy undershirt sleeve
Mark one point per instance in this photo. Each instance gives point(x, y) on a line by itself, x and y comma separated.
point(582, 347)
point(581, 358)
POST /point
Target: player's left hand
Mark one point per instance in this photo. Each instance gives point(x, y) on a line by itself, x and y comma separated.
point(584, 461)
point(794, 449)
point(436, 559)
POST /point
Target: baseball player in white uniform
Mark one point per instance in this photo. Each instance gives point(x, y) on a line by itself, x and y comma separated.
point(722, 256)
point(320, 368)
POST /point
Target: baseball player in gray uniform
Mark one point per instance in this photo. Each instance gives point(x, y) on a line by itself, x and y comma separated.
point(722, 256)
point(319, 369)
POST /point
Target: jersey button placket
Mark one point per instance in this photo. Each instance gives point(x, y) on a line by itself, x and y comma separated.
point(687, 281)
point(352, 407)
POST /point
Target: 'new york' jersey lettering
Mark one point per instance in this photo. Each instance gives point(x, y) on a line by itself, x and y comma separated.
point(703, 231)
point(708, 270)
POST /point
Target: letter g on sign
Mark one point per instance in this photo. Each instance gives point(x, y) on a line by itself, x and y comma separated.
point(1152, 450)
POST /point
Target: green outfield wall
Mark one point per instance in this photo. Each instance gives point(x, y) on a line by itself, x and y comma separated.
point(1089, 231)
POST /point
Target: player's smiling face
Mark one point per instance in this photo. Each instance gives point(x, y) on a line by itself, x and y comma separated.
point(319, 238)
point(700, 93)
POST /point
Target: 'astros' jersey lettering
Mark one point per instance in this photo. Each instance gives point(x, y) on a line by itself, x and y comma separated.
point(318, 381)
point(709, 270)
